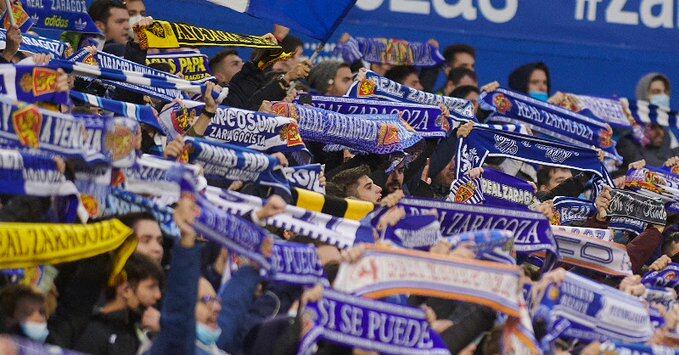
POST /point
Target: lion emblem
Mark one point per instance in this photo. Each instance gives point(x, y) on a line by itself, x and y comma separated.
point(502, 104)
point(27, 124)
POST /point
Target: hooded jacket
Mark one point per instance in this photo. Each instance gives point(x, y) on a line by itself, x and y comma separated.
point(641, 92)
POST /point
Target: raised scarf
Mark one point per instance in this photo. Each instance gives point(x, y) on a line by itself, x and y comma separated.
point(389, 51)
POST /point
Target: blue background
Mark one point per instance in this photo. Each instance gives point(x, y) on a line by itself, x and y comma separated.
point(586, 57)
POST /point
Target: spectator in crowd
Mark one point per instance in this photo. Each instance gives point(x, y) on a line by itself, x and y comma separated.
point(533, 80)
point(112, 19)
point(406, 75)
point(225, 65)
point(136, 8)
point(467, 92)
point(330, 78)
point(460, 77)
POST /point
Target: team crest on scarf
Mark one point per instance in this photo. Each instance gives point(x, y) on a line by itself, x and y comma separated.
point(399, 50)
point(182, 119)
point(388, 135)
point(41, 81)
point(571, 103)
point(651, 182)
point(675, 170)
point(117, 178)
point(285, 109)
point(290, 134)
point(556, 217)
point(157, 29)
point(185, 154)
point(91, 59)
point(465, 192)
point(27, 123)
point(366, 88)
point(90, 204)
point(443, 122)
point(502, 104)
point(120, 142)
point(606, 137)
point(20, 15)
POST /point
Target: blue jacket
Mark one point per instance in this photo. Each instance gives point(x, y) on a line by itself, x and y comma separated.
point(177, 318)
point(237, 297)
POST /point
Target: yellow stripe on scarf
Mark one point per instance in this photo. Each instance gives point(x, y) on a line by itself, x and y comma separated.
point(30, 244)
point(334, 206)
point(163, 34)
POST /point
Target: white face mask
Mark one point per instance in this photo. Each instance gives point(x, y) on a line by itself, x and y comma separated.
point(662, 100)
point(35, 331)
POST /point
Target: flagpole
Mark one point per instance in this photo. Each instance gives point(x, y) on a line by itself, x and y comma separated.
point(8, 4)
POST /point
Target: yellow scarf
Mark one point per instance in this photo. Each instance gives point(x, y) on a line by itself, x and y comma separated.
point(163, 34)
point(24, 245)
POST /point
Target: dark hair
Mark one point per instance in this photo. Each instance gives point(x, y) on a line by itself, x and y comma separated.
point(10, 296)
point(138, 268)
point(544, 174)
point(463, 91)
point(345, 179)
point(100, 10)
point(162, 66)
point(520, 77)
point(668, 239)
point(400, 72)
point(457, 74)
point(217, 59)
point(663, 79)
point(130, 219)
point(290, 44)
point(450, 52)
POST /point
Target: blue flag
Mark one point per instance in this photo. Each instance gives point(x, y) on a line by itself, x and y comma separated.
point(314, 18)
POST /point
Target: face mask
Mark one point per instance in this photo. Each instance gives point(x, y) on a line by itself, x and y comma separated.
point(539, 95)
point(207, 335)
point(662, 100)
point(133, 21)
point(35, 331)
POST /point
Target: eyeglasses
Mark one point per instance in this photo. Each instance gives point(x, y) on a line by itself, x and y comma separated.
point(208, 300)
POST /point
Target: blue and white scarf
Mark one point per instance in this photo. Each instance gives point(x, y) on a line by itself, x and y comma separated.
point(492, 188)
point(647, 113)
point(255, 130)
point(482, 143)
point(636, 349)
point(142, 113)
point(593, 253)
point(305, 177)
point(667, 277)
point(120, 202)
point(296, 264)
point(30, 127)
point(549, 120)
point(94, 184)
point(193, 66)
point(380, 134)
point(426, 120)
point(369, 84)
point(389, 51)
point(570, 211)
point(654, 182)
point(61, 15)
point(224, 161)
point(29, 83)
point(340, 232)
point(370, 325)
point(585, 310)
point(662, 295)
point(37, 44)
point(489, 244)
point(627, 224)
point(603, 234)
point(531, 230)
point(604, 109)
point(110, 140)
point(414, 232)
point(149, 176)
point(32, 173)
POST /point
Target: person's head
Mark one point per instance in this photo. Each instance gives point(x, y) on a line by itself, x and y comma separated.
point(532, 79)
point(332, 78)
point(112, 19)
point(656, 135)
point(225, 65)
point(445, 176)
point(460, 56)
point(135, 7)
point(356, 183)
point(290, 44)
point(468, 92)
point(395, 180)
point(380, 69)
point(670, 246)
point(460, 77)
point(208, 307)
point(148, 232)
point(141, 288)
point(550, 177)
point(406, 75)
point(654, 88)
point(24, 311)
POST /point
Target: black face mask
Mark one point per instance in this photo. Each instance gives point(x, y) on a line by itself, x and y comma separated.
point(675, 258)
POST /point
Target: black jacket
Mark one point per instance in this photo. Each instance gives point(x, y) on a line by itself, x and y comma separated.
point(111, 333)
point(249, 88)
